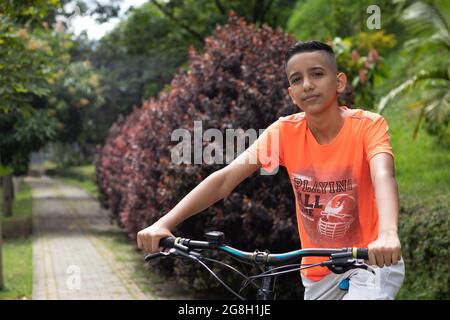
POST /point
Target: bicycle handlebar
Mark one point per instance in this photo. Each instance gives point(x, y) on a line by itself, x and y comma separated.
point(340, 260)
point(258, 257)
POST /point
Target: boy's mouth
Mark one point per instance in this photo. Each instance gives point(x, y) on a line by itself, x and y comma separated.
point(310, 97)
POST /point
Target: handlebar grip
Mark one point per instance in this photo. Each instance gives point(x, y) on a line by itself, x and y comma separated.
point(362, 253)
point(167, 242)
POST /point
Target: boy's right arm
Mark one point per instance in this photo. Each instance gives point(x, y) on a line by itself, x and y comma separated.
point(215, 187)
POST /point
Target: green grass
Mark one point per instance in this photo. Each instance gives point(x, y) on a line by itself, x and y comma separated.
point(421, 165)
point(424, 185)
point(83, 172)
point(86, 171)
point(17, 253)
point(17, 269)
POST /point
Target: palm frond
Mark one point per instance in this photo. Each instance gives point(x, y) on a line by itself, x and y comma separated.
point(421, 17)
point(434, 106)
point(440, 111)
point(422, 75)
point(435, 41)
point(395, 92)
point(419, 122)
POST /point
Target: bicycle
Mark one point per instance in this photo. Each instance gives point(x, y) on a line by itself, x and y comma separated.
point(340, 260)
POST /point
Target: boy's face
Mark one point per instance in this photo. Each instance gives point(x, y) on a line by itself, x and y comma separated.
point(314, 82)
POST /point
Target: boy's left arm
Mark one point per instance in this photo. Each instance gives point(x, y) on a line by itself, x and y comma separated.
point(386, 249)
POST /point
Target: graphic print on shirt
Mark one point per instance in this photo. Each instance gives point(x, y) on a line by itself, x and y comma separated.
point(328, 207)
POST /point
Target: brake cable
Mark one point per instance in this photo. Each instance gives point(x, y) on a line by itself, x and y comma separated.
point(247, 279)
point(220, 280)
point(266, 274)
point(196, 259)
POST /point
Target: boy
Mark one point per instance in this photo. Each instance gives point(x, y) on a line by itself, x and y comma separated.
point(341, 168)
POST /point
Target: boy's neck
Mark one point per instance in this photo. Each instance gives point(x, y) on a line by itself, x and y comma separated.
point(326, 125)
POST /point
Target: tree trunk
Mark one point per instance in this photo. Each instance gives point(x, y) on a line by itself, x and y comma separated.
point(13, 192)
point(7, 195)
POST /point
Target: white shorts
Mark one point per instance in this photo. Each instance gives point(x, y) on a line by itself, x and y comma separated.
point(363, 284)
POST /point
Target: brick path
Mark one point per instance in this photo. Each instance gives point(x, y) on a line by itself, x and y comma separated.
point(69, 260)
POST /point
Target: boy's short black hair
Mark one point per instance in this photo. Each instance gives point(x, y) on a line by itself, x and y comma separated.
point(310, 46)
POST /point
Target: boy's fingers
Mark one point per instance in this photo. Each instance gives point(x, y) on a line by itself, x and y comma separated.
point(387, 259)
point(372, 260)
point(395, 257)
point(145, 244)
point(380, 260)
point(139, 244)
point(155, 244)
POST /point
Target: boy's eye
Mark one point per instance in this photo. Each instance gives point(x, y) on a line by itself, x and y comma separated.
point(294, 80)
point(318, 74)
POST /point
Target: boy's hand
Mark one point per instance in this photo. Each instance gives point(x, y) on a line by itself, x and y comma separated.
point(148, 238)
point(385, 250)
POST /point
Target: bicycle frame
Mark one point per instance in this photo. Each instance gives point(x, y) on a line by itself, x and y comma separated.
point(267, 290)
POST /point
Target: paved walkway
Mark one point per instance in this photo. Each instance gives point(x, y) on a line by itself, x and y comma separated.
point(69, 260)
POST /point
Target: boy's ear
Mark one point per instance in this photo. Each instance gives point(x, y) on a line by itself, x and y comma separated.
point(341, 80)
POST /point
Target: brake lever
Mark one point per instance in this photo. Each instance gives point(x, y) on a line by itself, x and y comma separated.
point(365, 266)
point(189, 254)
point(151, 256)
point(177, 250)
point(339, 265)
point(342, 265)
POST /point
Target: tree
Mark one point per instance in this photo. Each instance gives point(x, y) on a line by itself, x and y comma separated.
point(324, 19)
point(429, 53)
point(199, 17)
point(30, 53)
point(26, 62)
point(75, 96)
point(2, 285)
point(134, 62)
point(24, 68)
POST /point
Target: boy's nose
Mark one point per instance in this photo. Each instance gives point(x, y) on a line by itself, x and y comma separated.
point(307, 85)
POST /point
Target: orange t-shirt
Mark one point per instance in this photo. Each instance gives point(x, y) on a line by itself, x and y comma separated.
point(335, 198)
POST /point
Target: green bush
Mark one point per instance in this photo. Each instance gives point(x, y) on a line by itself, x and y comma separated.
point(425, 237)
